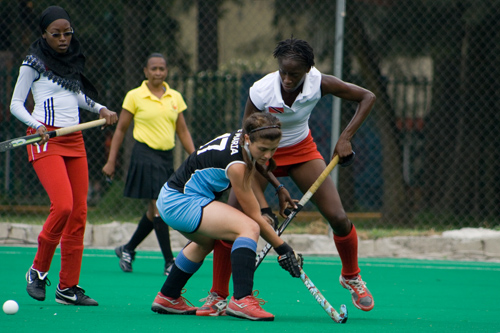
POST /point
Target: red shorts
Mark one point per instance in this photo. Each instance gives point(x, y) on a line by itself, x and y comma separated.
point(304, 151)
point(70, 145)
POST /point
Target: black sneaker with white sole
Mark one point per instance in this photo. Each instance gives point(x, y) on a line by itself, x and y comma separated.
point(74, 296)
point(126, 258)
point(36, 283)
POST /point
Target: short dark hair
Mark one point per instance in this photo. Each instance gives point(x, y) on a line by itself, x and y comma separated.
point(154, 55)
point(297, 49)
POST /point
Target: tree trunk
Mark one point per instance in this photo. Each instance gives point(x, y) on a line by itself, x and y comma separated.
point(135, 13)
point(208, 49)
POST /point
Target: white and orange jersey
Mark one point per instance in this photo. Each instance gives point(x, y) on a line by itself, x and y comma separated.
point(265, 94)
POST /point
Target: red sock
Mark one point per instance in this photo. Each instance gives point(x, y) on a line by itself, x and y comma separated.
point(222, 268)
point(347, 247)
point(47, 244)
point(71, 260)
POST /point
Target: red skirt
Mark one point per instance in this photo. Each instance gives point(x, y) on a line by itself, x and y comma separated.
point(304, 151)
point(70, 145)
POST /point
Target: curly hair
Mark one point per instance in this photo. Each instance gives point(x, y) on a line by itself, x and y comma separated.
point(296, 49)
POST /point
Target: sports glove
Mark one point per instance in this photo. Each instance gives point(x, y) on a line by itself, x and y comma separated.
point(348, 160)
point(289, 260)
point(268, 213)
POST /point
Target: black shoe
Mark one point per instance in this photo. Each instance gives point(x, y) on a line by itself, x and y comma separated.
point(168, 266)
point(36, 283)
point(74, 296)
point(126, 258)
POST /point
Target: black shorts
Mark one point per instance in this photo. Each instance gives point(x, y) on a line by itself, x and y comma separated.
point(149, 170)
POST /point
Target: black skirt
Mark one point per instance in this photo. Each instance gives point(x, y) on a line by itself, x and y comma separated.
point(148, 171)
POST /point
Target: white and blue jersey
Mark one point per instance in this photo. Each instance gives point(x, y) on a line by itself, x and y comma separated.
point(200, 179)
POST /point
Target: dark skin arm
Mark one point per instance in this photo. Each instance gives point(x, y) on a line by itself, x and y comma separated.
point(330, 85)
point(124, 122)
point(184, 134)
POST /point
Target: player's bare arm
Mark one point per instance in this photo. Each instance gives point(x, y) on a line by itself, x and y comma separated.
point(184, 135)
point(248, 201)
point(330, 85)
point(124, 122)
point(249, 109)
point(285, 200)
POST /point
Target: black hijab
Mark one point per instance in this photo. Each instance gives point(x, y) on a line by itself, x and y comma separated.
point(65, 69)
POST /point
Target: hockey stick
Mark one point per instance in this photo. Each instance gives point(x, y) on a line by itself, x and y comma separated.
point(341, 317)
point(305, 198)
point(29, 139)
point(338, 317)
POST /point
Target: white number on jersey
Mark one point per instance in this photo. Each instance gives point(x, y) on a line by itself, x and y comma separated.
point(219, 143)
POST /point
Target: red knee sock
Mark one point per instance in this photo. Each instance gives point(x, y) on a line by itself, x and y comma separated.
point(71, 260)
point(222, 268)
point(47, 244)
point(347, 247)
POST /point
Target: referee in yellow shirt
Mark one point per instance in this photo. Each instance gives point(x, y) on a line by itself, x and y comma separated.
point(157, 113)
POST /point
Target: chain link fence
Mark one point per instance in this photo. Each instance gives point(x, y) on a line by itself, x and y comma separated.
point(427, 157)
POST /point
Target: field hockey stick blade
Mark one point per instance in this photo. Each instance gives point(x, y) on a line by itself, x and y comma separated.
point(23, 141)
point(338, 317)
point(34, 138)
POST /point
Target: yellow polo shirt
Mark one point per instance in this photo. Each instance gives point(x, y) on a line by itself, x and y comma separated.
point(154, 118)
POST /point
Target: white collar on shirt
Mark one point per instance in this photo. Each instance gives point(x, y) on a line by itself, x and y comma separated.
point(307, 89)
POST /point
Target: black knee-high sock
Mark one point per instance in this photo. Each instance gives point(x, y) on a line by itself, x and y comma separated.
point(243, 263)
point(176, 280)
point(163, 236)
point(144, 227)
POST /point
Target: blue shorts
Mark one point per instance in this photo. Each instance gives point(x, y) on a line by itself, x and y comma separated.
point(180, 211)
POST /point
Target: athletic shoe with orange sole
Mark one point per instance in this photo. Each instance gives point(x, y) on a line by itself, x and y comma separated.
point(361, 296)
point(168, 305)
point(248, 308)
point(214, 306)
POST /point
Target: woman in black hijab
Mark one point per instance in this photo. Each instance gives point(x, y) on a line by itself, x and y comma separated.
point(53, 71)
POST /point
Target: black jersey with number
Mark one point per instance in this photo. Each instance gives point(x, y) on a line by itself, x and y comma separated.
point(204, 172)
